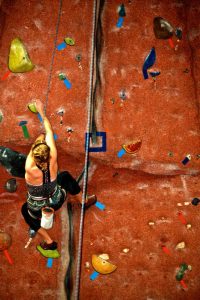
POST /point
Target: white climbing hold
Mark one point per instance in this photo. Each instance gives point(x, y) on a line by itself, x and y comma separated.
point(180, 245)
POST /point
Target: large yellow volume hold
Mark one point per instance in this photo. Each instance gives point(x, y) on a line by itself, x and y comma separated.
point(101, 265)
point(19, 61)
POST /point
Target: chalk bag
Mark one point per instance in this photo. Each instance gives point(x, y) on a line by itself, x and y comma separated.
point(47, 217)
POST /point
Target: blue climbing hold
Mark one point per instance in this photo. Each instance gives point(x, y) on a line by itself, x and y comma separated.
point(149, 62)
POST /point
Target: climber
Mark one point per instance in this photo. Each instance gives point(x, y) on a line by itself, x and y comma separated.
point(45, 187)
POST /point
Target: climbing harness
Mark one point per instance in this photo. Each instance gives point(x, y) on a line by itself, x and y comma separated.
point(78, 266)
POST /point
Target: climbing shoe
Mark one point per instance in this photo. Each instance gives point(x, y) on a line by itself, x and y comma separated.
point(45, 246)
point(48, 253)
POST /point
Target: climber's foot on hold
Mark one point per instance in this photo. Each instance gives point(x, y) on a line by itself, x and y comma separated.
point(90, 200)
point(48, 250)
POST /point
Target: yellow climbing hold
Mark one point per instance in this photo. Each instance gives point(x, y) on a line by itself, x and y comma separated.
point(101, 265)
point(19, 61)
point(69, 41)
point(32, 108)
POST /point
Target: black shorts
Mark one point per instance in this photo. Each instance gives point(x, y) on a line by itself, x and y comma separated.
point(68, 183)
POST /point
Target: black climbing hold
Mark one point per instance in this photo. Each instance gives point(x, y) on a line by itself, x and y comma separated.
point(195, 201)
point(122, 12)
point(154, 74)
point(13, 161)
point(162, 28)
point(179, 33)
point(11, 185)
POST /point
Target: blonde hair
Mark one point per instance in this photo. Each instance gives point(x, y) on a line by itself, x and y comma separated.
point(41, 153)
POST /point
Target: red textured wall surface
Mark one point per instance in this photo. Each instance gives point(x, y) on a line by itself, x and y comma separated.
point(135, 189)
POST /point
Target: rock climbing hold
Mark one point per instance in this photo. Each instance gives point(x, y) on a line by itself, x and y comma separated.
point(112, 100)
point(186, 159)
point(188, 226)
point(130, 148)
point(62, 76)
point(195, 201)
point(122, 94)
point(162, 28)
point(69, 133)
point(154, 74)
point(32, 108)
point(151, 223)
point(87, 265)
point(149, 62)
point(24, 129)
point(61, 113)
point(19, 61)
point(122, 12)
point(78, 57)
point(126, 250)
point(179, 33)
point(170, 154)
point(181, 272)
point(180, 246)
point(11, 185)
point(102, 265)
point(186, 70)
point(69, 41)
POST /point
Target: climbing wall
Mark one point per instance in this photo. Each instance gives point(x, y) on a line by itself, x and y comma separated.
point(144, 219)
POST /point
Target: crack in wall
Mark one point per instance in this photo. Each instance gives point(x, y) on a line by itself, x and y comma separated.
point(99, 40)
point(187, 10)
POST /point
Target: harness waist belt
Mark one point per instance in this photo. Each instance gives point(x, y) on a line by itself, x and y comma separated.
point(42, 198)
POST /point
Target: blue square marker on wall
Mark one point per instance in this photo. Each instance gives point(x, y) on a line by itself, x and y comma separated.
point(94, 275)
point(100, 205)
point(67, 83)
point(97, 149)
point(61, 46)
point(49, 262)
point(120, 22)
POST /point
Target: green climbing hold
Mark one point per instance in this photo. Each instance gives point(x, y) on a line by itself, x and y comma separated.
point(181, 272)
point(48, 253)
point(62, 76)
point(69, 41)
point(19, 61)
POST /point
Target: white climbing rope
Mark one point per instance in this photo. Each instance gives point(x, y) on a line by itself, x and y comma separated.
point(53, 55)
point(78, 267)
